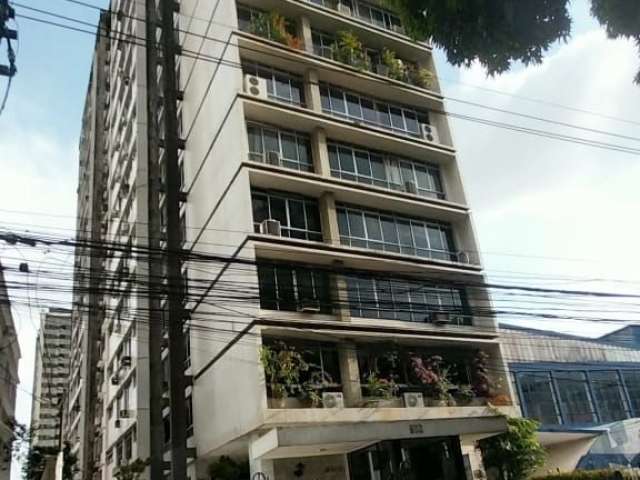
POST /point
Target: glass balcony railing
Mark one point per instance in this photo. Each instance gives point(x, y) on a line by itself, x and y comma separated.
point(367, 12)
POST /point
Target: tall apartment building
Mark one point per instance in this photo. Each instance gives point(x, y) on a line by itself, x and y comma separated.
point(337, 323)
point(9, 358)
point(50, 377)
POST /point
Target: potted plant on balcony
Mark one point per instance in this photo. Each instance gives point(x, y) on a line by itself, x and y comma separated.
point(391, 66)
point(273, 26)
point(482, 384)
point(349, 49)
point(464, 395)
point(435, 376)
point(283, 366)
point(318, 382)
point(420, 76)
point(381, 391)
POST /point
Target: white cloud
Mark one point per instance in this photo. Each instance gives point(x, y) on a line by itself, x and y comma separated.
point(536, 197)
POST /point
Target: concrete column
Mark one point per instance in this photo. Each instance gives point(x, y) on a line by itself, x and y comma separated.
point(258, 464)
point(304, 31)
point(312, 91)
point(472, 457)
point(321, 164)
point(350, 374)
point(329, 219)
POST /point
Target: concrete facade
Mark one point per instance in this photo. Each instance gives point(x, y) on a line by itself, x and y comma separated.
point(9, 358)
point(51, 374)
point(584, 392)
point(363, 300)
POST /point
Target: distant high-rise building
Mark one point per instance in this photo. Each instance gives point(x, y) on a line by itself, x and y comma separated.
point(336, 319)
point(50, 377)
point(9, 358)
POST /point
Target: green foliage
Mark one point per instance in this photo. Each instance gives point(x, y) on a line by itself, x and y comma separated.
point(494, 32)
point(517, 453)
point(283, 366)
point(620, 18)
point(275, 27)
point(226, 468)
point(349, 49)
point(498, 33)
point(585, 475)
point(132, 471)
point(381, 387)
point(434, 375)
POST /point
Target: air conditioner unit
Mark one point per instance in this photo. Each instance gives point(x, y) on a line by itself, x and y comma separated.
point(255, 86)
point(332, 400)
point(309, 306)
point(116, 423)
point(271, 227)
point(115, 380)
point(429, 133)
point(344, 9)
point(273, 158)
point(413, 400)
point(125, 414)
point(440, 318)
point(411, 187)
point(463, 257)
point(125, 361)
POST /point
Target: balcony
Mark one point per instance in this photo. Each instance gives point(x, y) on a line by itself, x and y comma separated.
point(302, 374)
point(372, 14)
point(342, 45)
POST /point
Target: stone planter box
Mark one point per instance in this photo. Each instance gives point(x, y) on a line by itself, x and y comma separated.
point(375, 402)
point(288, 402)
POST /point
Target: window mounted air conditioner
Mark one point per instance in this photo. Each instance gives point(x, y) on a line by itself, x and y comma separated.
point(344, 9)
point(271, 227)
point(116, 423)
point(410, 187)
point(125, 414)
point(440, 318)
point(125, 361)
point(413, 400)
point(255, 86)
point(429, 133)
point(115, 380)
point(332, 400)
point(463, 257)
point(273, 158)
point(309, 306)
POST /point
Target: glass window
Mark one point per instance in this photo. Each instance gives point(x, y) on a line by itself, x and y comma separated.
point(292, 149)
point(538, 399)
point(632, 383)
point(410, 236)
point(576, 405)
point(298, 217)
point(282, 86)
point(608, 394)
point(392, 173)
point(398, 118)
point(289, 288)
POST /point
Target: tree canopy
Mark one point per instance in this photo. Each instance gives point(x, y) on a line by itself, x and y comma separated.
point(499, 32)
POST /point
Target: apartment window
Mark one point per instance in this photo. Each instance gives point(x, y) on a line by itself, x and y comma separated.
point(289, 288)
point(281, 85)
point(322, 44)
point(632, 383)
point(393, 233)
point(353, 106)
point(609, 395)
point(293, 149)
point(189, 416)
point(406, 301)
point(298, 216)
point(387, 171)
point(576, 404)
point(379, 17)
point(538, 398)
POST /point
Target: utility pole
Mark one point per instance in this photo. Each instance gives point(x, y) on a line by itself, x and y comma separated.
point(155, 269)
point(176, 311)
point(7, 13)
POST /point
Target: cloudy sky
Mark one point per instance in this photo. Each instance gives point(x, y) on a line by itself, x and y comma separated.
point(547, 212)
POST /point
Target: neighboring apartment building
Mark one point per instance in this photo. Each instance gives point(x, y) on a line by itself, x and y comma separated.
point(50, 376)
point(584, 392)
point(9, 358)
point(323, 218)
